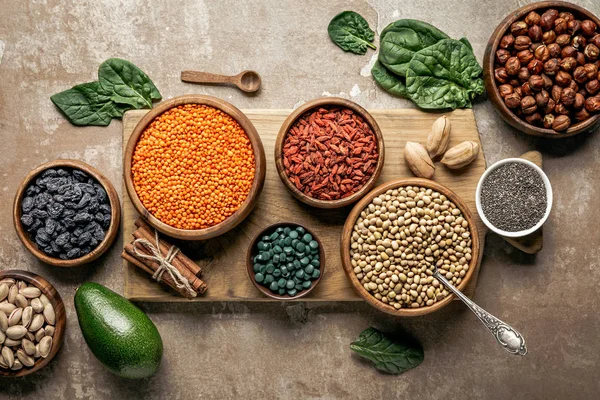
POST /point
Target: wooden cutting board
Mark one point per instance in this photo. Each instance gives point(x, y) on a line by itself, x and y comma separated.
point(223, 259)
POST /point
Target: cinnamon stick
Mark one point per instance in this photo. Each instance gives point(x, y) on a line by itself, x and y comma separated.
point(144, 267)
point(181, 258)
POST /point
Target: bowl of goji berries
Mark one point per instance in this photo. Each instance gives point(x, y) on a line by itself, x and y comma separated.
point(329, 152)
point(194, 167)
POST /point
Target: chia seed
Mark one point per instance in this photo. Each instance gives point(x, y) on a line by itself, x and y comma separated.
point(513, 197)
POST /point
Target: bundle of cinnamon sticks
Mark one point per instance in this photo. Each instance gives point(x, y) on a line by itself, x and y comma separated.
point(185, 266)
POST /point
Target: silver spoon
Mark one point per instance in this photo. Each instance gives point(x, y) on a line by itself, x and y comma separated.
point(507, 336)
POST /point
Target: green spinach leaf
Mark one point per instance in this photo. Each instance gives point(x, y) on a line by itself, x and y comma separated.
point(127, 83)
point(88, 104)
point(394, 357)
point(392, 83)
point(351, 32)
point(400, 40)
point(444, 75)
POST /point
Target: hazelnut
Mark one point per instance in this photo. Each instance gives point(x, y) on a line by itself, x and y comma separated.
point(573, 26)
point(595, 40)
point(568, 51)
point(582, 115)
point(501, 75)
point(593, 86)
point(556, 93)
point(560, 26)
point(568, 97)
point(588, 27)
point(561, 123)
point(533, 18)
point(590, 70)
point(513, 100)
point(514, 82)
point(535, 33)
point(522, 43)
point(502, 55)
point(550, 106)
point(578, 42)
point(536, 83)
point(580, 58)
point(535, 67)
point(528, 105)
point(548, 121)
point(579, 101)
point(534, 119)
point(548, 18)
point(591, 52)
point(547, 82)
point(592, 104)
point(579, 75)
point(525, 56)
point(561, 109)
point(563, 40)
point(568, 64)
point(573, 85)
point(554, 50)
point(505, 90)
point(518, 91)
point(507, 41)
point(513, 65)
point(562, 78)
point(551, 66)
point(524, 74)
point(567, 16)
point(542, 53)
point(548, 37)
point(526, 89)
point(541, 98)
point(518, 28)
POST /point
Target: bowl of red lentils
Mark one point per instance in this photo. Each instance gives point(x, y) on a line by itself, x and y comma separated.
point(194, 167)
point(329, 152)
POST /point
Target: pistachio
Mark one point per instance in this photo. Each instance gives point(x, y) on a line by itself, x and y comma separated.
point(17, 365)
point(437, 141)
point(8, 356)
point(12, 342)
point(15, 317)
point(49, 314)
point(26, 360)
point(461, 155)
point(49, 329)
point(7, 308)
point(36, 322)
point(3, 364)
point(21, 301)
point(3, 322)
point(3, 291)
point(418, 160)
point(40, 334)
point(44, 299)
point(27, 316)
point(16, 332)
point(12, 293)
point(45, 346)
point(2, 337)
point(30, 292)
point(37, 305)
point(37, 351)
point(28, 346)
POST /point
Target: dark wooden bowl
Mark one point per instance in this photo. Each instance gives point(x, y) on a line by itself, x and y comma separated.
point(291, 119)
point(259, 174)
point(252, 252)
point(490, 82)
point(111, 233)
point(61, 319)
point(347, 234)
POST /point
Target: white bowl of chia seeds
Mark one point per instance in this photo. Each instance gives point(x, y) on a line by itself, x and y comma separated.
point(514, 197)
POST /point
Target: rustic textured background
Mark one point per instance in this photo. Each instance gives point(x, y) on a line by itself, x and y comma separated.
point(295, 351)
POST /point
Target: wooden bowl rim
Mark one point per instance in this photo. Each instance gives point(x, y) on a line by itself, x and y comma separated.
point(61, 319)
point(364, 202)
point(492, 88)
point(250, 266)
point(115, 213)
point(259, 174)
point(291, 119)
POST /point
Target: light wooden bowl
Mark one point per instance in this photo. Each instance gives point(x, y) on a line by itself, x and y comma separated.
point(61, 319)
point(259, 174)
point(347, 234)
point(252, 252)
point(289, 122)
point(111, 233)
point(490, 82)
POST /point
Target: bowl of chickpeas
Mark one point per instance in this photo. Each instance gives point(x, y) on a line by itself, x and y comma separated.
point(194, 167)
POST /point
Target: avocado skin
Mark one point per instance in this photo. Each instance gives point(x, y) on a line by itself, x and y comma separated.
point(118, 333)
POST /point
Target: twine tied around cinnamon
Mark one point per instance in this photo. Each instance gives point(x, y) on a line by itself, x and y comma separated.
point(164, 263)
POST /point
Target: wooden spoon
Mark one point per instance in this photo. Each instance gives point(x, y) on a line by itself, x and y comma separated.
point(248, 81)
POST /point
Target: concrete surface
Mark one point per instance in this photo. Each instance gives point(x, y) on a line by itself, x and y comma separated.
point(295, 351)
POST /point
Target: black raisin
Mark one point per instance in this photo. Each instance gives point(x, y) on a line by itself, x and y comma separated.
point(87, 188)
point(86, 250)
point(68, 213)
point(37, 223)
point(93, 243)
point(63, 238)
point(70, 205)
point(55, 209)
point(99, 234)
point(105, 208)
point(101, 193)
point(55, 247)
point(106, 223)
point(59, 198)
point(42, 200)
point(42, 236)
point(85, 238)
point(73, 253)
point(48, 250)
point(68, 246)
point(85, 199)
point(51, 225)
point(62, 172)
point(80, 175)
point(27, 204)
point(49, 173)
point(63, 256)
point(26, 219)
point(99, 217)
point(93, 207)
point(68, 222)
point(39, 213)
point(77, 232)
point(64, 189)
point(30, 191)
point(82, 217)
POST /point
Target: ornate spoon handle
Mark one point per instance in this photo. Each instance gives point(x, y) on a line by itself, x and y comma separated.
point(507, 336)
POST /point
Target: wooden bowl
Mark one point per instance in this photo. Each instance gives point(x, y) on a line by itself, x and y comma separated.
point(110, 235)
point(257, 185)
point(490, 83)
point(349, 226)
point(61, 319)
point(289, 122)
point(252, 252)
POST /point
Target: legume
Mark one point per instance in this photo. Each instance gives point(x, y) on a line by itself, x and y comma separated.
point(193, 166)
point(400, 237)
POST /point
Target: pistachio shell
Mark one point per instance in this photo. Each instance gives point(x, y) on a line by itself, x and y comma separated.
point(3, 291)
point(8, 356)
point(15, 317)
point(418, 160)
point(28, 346)
point(21, 284)
point(2, 337)
point(17, 365)
point(8, 281)
point(16, 332)
point(37, 305)
point(49, 330)
point(30, 336)
point(3, 322)
point(44, 299)
point(49, 314)
point(45, 346)
point(21, 301)
point(27, 316)
point(36, 322)
point(30, 292)
point(26, 360)
point(12, 342)
point(37, 351)
point(40, 334)
point(12, 293)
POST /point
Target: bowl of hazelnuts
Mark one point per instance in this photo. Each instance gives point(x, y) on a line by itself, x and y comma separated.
point(542, 69)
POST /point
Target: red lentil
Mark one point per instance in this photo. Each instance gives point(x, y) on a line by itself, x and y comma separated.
point(330, 153)
point(193, 166)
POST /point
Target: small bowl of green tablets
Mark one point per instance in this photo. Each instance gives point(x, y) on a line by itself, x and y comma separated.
point(285, 261)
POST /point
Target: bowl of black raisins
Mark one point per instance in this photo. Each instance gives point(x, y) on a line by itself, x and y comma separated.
point(66, 213)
